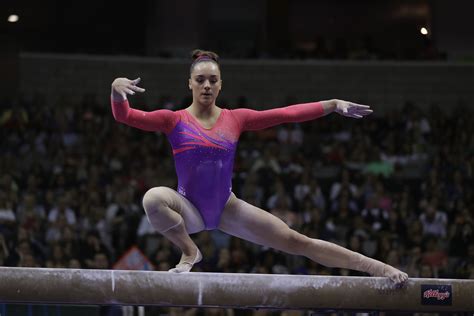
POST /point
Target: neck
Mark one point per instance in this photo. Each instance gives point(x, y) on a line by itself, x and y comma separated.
point(203, 111)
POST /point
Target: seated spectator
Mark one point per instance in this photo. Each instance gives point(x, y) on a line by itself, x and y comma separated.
point(252, 192)
point(74, 264)
point(100, 261)
point(89, 247)
point(223, 262)
point(280, 196)
point(30, 208)
point(123, 217)
point(433, 255)
point(376, 217)
point(414, 262)
point(57, 259)
point(92, 219)
point(464, 268)
point(7, 215)
point(434, 222)
point(309, 187)
point(345, 203)
point(28, 261)
point(4, 252)
point(55, 229)
point(343, 184)
point(62, 208)
point(461, 233)
point(427, 271)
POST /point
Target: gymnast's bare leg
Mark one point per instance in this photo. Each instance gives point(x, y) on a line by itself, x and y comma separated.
point(175, 217)
point(251, 223)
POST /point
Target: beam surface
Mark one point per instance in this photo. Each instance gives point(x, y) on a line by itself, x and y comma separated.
point(233, 290)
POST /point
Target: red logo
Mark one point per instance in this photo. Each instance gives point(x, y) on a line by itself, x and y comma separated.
point(440, 296)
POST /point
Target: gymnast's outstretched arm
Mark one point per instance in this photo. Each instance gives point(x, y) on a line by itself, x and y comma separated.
point(251, 120)
point(159, 120)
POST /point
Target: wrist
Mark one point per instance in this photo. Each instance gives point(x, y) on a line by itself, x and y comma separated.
point(329, 106)
point(117, 97)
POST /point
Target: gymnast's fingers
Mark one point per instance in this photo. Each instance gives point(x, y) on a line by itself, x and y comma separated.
point(363, 111)
point(360, 105)
point(135, 88)
point(128, 91)
point(353, 115)
point(136, 81)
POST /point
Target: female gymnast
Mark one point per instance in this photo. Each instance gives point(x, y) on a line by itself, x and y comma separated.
point(204, 138)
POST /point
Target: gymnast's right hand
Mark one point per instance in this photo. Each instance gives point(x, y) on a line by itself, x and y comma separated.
point(123, 86)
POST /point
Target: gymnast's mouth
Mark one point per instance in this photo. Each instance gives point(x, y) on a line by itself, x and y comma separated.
point(206, 94)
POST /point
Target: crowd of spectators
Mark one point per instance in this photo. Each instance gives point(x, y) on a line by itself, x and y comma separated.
point(396, 187)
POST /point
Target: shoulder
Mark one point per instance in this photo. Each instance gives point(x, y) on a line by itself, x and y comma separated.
point(241, 113)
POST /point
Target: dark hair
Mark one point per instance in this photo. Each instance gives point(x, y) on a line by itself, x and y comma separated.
point(199, 55)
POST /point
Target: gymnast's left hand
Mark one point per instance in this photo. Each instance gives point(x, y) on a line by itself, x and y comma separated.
point(351, 109)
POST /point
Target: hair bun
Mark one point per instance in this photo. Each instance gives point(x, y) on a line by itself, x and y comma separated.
point(198, 53)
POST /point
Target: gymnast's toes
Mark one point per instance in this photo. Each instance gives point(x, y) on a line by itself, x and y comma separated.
point(181, 267)
point(399, 277)
point(394, 274)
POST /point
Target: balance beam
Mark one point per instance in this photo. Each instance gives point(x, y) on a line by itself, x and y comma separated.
point(232, 290)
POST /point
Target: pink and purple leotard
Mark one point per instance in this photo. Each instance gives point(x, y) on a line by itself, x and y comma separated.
point(204, 157)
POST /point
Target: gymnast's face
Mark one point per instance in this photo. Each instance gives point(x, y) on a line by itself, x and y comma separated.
point(205, 82)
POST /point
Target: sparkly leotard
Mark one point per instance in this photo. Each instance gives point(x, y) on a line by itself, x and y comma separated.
point(204, 157)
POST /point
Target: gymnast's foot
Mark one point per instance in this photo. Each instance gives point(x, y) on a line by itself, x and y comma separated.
point(377, 268)
point(392, 273)
point(187, 262)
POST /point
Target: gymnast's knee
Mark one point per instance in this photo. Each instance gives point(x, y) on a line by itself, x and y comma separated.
point(155, 199)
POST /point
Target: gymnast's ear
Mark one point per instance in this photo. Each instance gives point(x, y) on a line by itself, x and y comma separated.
point(189, 84)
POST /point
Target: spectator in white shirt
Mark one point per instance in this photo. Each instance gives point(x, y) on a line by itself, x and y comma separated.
point(62, 208)
point(434, 222)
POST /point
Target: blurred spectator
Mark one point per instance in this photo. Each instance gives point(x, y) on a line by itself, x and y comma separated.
point(7, 215)
point(58, 258)
point(343, 184)
point(434, 222)
point(279, 197)
point(433, 255)
point(309, 188)
point(30, 208)
point(62, 210)
point(376, 217)
point(89, 247)
point(414, 262)
point(4, 252)
point(101, 261)
point(123, 218)
point(427, 271)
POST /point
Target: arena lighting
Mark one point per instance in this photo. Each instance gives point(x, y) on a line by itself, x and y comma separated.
point(13, 18)
point(424, 31)
point(237, 290)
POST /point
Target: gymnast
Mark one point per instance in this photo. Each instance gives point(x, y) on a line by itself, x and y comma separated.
point(204, 138)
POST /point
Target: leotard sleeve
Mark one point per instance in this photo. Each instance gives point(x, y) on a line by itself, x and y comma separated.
point(159, 120)
point(252, 120)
